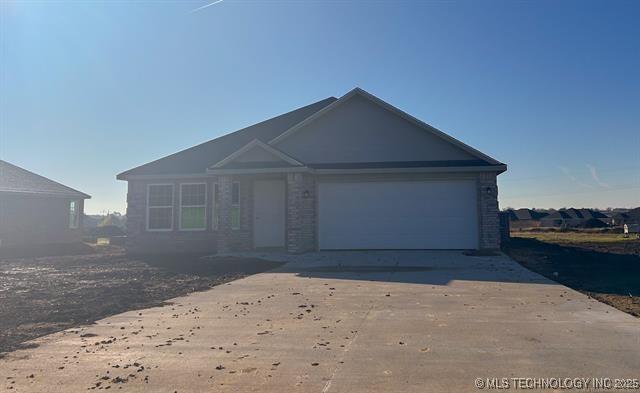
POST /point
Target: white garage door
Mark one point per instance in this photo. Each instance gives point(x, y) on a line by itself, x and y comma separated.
point(398, 215)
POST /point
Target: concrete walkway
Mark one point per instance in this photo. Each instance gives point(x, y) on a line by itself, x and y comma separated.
point(343, 322)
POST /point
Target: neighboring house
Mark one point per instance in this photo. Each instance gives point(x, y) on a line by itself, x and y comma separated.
point(35, 210)
point(348, 173)
point(570, 218)
point(555, 218)
point(629, 217)
point(524, 218)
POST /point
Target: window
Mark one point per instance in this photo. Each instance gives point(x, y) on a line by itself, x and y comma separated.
point(235, 205)
point(216, 200)
point(160, 207)
point(193, 206)
point(74, 214)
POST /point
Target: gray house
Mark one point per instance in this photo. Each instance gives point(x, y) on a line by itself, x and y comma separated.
point(347, 173)
point(35, 210)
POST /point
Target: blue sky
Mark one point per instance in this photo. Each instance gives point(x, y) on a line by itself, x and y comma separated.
point(552, 88)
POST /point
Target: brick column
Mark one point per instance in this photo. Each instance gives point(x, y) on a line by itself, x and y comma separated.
point(301, 213)
point(488, 211)
point(225, 233)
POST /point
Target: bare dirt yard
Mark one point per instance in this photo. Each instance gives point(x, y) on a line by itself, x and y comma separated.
point(605, 266)
point(42, 295)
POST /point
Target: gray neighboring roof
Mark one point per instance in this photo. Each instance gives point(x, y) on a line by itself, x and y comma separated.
point(525, 214)
point(557, 215)
point(197, 159)
point(590, 213)
point(17, 180)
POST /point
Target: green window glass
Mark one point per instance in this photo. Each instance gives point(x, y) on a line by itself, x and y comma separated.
point(193, 206)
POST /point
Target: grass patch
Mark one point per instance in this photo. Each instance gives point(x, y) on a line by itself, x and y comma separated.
point(574, 237)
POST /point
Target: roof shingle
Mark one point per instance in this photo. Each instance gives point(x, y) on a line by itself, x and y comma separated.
point(198, 158)
point(17, 180)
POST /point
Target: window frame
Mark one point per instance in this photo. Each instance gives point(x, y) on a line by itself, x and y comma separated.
point(173, 197)
point(215, 217)
point(180, 206)
point(236, 206)
point(76, 207)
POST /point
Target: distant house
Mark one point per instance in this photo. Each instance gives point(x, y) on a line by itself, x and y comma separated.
point(35, 210)
point(555, 218)
point(524, 218)
point(571, 218)
point(629, 217)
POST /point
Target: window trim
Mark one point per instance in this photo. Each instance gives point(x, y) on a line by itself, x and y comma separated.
point(215, 221)
point(76, 206)
point(180, 208)
point(173, 197)
point(236, 205)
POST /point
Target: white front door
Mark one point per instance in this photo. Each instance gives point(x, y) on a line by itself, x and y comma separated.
point(268, 213)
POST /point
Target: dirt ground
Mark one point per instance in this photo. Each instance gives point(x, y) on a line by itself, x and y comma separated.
point(607, 268)
point(41, 295)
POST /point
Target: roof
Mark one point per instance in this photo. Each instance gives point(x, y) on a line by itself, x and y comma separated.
point(400, 164)
point(525, 214)
point(198, 158)
point(14, 179)
point(221, 154)
point(589, 213)
point(631, 216)
point(557, 214)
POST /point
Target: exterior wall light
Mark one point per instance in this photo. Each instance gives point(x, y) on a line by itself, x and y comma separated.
point(306, 194)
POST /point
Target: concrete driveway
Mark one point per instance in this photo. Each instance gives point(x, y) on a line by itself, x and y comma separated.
point(344, 322)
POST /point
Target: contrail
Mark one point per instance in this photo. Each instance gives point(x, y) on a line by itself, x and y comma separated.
point(205, 6)
point(596, 178)
point(568, 174)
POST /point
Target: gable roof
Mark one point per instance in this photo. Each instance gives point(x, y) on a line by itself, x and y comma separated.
point(590, 213)
point(525, 214)
point(257, 144)
point(557, 215)
point(207, 157)
point(197, 159)
point(419, 123)
point(14, 179)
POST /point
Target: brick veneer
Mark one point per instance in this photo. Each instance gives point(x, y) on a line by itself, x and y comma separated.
point(488, 211)
point(301, 220)
point(301, 213)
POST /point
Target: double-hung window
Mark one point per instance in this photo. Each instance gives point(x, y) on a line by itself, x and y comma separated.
point(160, 207)
point(74, 214)
point(193, 206)
point(235, 205)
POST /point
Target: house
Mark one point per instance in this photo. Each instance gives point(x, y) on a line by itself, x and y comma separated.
point(524, 218)
point(629, 217)
point(35, 210)
point(347, 173)
point(572, 218)
point(555, 218)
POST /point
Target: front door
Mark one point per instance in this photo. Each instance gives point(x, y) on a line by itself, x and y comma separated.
point(268, 213)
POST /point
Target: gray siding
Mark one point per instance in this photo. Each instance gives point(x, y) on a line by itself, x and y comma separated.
point(32, 220)
point(257, 154)
point(361, 131)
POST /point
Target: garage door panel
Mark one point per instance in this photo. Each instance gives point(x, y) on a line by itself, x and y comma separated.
point(398, 215)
